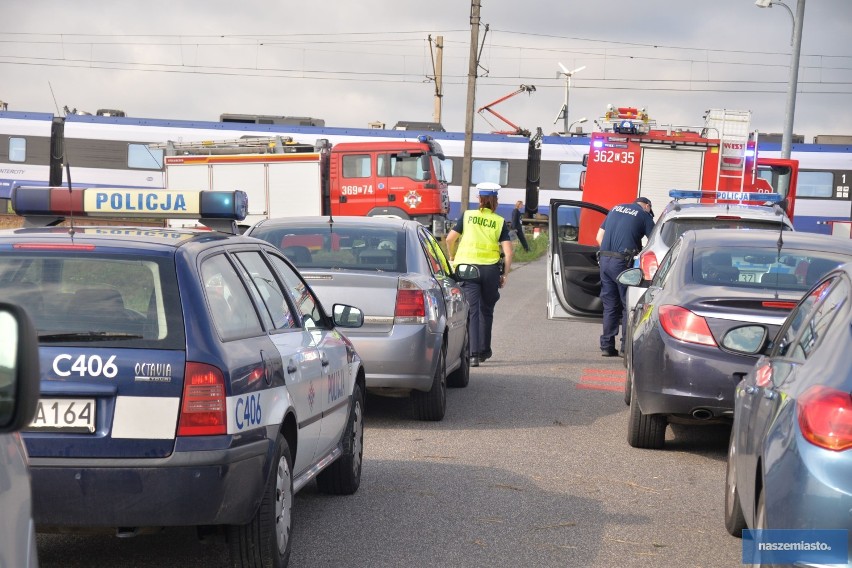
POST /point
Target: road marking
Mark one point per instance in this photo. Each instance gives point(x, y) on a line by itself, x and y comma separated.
point(602, 379)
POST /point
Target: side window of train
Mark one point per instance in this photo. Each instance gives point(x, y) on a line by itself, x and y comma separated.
point(17, 149)
point(815, 184)
point(141, 157)
point(569, 175)
point(496, 171)
point(447, 165)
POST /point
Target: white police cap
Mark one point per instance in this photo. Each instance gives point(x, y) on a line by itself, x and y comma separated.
point(488, 188)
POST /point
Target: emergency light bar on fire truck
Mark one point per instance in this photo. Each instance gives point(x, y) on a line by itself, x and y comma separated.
point(45, 206)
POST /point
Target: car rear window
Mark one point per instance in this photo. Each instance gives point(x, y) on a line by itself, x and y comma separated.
point(674, 228)
point(80, 298)
point(328, 246)
point(763, 267)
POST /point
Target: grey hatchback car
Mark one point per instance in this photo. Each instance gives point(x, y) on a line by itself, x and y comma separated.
point(19, 387)
point(414, 340)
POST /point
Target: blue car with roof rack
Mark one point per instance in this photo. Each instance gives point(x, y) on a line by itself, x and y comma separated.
point(188, 377)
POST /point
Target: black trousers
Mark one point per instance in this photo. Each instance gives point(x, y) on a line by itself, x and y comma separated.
point(482, 294)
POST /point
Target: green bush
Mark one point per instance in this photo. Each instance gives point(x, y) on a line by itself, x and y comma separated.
point(538, 247)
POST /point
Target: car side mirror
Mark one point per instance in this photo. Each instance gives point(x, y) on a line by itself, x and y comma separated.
point(748, 340)
point(467, 272)
point(632, 277)
point(19, 368)
point(347, 316)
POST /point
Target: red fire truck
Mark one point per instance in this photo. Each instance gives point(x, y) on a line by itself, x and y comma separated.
point(283, 178)
point(632, 156)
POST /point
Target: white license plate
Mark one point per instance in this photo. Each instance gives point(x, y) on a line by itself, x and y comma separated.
point(64, 415)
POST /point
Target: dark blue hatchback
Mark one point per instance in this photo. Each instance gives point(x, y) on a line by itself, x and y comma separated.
point(188, 377)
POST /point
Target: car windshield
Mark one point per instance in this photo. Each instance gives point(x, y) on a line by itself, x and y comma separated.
point(347, 247)
point(795, 270)
point(82, 298)
point(671, 230)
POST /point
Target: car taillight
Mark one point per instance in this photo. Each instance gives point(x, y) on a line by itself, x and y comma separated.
point(648, 263)
point(410, 303)
point(825, 417)
point(202, 411)
point(682, 324)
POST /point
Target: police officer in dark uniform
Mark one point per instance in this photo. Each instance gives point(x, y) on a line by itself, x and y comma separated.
point(620, 238)
point(483, 234)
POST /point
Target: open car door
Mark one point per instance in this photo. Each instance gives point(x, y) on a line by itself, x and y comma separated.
point(573, 276)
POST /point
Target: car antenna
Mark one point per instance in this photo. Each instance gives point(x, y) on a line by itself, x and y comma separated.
point(66, 163)
point(778, 259)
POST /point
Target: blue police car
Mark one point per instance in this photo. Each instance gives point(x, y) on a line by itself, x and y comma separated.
point(188, 377)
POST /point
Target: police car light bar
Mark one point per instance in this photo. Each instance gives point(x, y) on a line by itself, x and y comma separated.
point(726, 195)
point(59, 202)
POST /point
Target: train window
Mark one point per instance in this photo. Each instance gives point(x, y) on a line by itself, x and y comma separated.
point(815, 184)
point(569, 176)
point(496, 171)
point(447, 166)
point(17, 149)
point(141, 157)
point(358, 166)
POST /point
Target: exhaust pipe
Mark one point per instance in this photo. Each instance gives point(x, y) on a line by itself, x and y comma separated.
point(702, 414)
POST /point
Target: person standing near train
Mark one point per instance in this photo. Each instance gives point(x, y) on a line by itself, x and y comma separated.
point(518, 227)
point(482, 234)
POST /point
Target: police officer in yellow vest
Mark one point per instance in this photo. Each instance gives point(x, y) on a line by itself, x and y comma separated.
point(483, 234)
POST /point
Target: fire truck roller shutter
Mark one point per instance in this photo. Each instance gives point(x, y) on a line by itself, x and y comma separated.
point(664, 169)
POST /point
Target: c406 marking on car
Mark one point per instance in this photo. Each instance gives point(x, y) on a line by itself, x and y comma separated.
point(248, 411)
point(83, 366)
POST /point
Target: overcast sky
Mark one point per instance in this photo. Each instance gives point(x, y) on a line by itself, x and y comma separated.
point(352, 62)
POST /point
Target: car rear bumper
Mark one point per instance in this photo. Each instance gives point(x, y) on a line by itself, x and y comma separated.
point(187, 488)
point(403, 358)
point(688, 380)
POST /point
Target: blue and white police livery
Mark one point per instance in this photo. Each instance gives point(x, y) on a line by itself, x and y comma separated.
point(188, 377)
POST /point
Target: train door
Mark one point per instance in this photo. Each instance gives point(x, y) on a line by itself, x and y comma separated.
point(573, 276)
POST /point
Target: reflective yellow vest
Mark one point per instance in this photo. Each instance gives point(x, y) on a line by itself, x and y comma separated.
point(479, 242)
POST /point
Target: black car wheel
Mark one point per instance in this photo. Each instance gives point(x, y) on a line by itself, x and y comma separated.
point(343, 477)
point(461, 376)
point(432, 405)
point(734, 518)
point(265, 540)
point(643, 430)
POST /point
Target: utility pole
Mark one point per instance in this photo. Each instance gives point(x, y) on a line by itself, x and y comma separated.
point(473, 67)
point(438, 67)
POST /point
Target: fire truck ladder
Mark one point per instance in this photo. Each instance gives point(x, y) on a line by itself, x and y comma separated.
point(245, 145)
point(732, 129)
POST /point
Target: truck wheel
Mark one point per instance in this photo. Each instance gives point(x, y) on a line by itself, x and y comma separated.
point(265, 540)
point(645, 431)
point(461, 376)
point(433, 404)
point(343, 477)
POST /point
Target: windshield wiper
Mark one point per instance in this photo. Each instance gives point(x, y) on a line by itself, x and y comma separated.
point(87, 336)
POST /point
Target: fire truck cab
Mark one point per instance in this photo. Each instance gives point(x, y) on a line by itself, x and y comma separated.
point(633, 157)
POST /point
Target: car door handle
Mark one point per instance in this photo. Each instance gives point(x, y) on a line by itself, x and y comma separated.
point(291, 368)
point(324, 360)
point(750, 389)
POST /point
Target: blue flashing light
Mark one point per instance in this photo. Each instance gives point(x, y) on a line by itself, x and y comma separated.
point(749, 153)
point(597, 144)
point(423, 138)
point(224, 205)
point(726, 195)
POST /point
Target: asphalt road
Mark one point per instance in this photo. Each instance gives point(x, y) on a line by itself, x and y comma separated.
point(530, 467)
